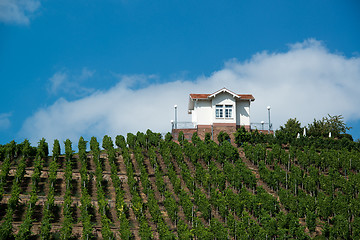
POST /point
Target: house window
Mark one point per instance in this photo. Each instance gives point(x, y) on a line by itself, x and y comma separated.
point(228, 111)
point(219, 111)
point(224, 111)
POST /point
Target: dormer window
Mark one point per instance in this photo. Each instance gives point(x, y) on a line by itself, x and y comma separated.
point(224, 111)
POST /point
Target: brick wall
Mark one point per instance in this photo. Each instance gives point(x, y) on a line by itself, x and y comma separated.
point(247, 127)
point(230, 129)
point(201, 130)
point(188, 132)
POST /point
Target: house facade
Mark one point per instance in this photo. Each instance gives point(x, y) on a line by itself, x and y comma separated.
point(222, 110)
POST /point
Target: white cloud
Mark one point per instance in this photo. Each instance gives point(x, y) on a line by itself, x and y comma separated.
point(57, 81)
point(18, 11)
point(5, 120)
point(85, 74)
point(63, 82)
point(305, 82)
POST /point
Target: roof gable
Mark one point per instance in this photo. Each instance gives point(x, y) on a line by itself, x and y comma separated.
point(202, 96)
point(195, 96)
point(224, 90)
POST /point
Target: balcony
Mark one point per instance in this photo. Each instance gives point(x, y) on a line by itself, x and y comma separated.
point(183, 125)
point(261, 127)
point(188, 129)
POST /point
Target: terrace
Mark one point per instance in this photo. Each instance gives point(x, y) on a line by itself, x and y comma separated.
point(189, 128)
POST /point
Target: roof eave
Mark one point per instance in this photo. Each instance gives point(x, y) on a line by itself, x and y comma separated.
point(191, 104)
point(224, 90)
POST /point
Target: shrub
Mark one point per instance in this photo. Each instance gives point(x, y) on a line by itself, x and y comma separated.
point(223, 136)
point(241, 136)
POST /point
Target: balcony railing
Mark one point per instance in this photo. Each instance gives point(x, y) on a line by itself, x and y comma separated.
point(182, 125)
point(260, 126)
point(189, 125)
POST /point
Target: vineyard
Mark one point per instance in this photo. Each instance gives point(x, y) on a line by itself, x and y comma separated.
point(146, 187)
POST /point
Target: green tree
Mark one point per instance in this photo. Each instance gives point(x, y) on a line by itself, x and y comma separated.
point(334, 124)
point(218, 230)
point(183, 231)
point(288, 132)
point(120, 141)
point(168, 137)
point(195, 138)
point(11, 149)
point(107, 142)
point(26, 151)
point(223, 136)
point(56, 149)
point(43, 148)
point(6, 226)
point(181, 138)
point(207, 137)
point(241, 136)
point(311, 221)
point(131, 140)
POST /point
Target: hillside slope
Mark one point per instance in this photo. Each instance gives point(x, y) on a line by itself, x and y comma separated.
point(148, 188)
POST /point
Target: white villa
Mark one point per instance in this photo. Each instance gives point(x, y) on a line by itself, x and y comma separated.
point(222, 110)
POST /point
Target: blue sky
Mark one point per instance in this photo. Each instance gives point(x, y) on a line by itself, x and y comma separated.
point(71, 68)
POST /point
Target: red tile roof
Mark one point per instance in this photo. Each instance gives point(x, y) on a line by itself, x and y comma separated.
point(246, 96)
point(205, 96)
point(199, 96)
